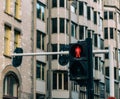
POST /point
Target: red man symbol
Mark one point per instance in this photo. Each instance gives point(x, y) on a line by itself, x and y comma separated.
point(77, 52)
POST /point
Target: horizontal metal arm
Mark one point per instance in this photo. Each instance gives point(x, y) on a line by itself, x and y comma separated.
point(40, 53)
point(55, 53)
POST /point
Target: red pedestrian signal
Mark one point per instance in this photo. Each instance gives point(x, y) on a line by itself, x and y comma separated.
point(78, 52)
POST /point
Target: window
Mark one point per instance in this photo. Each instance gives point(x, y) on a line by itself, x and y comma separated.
point(95, 40)
point(54, 49)
point(54, 25)
point(111, 33)
point(40, 10)
point(10, 86)
point(62, 25)
point(8, 6)
point(88, 13)
point(60, 80)
point(101, 43)
point(105, 33)
point(16, 38)
point(40, 96)
point(7, 39)
point(81, 8)
point(61, 3)
point(107, 82)
point(40, 70)
point(73, 29)
point(110, 15)
point(73, 8)
point(81, 32)
point(17, 9)
point(40, 40)
point(95, 0)
point(95, 17)
point(107, 71)
point(105, 15)
point(106, 54)
point(96, 63)
point(54, 3)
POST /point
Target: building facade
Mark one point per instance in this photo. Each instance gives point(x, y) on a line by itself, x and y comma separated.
point(46, 26)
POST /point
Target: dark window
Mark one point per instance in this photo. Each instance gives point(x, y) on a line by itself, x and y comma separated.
point(54, 80)
point(40, 96)
point(10, 86)
point(66, 81)
point(107, 82)
point(81, 32)
point(40, 40)
point(115, 73)
point(107, 71)
point(54, 49)
point(89, 34)
point(54, 25)
point(111, 33)
point(81, 8)
point(95, 17)
point(88, 13)
point(101, 43)
point(105, 33)
point(105, 15)
point(106, 54)
point(62, 25)
point(54, 3)
point(110, 15)
point(95, 40)
point(95, 0)
point(40, 70)
point(60, 80)
point(96, 63)
point(61, 3)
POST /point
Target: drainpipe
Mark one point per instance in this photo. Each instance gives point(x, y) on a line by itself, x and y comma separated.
point(33, 36)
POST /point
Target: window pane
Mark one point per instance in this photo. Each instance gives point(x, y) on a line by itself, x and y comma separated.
point(54, 3)
point(54, 25)
point(61, 3)
point(38, 69)
point(105, 33)
point(62, 26)
point(105, 15)
point(95, 17)
point(60, 81)
point(81, 8)
point(66, 81)
point(54, 80)
point(40, 10)
point(88, 13)
point(38, 39)
point(95, 40)
point(110, 15)
point(81, 32)
point(111, 33)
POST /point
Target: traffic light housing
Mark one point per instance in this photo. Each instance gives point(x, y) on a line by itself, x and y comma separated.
point(78, 64)
point(17, 60)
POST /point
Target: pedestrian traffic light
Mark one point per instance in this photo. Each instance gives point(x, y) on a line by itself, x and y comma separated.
point(17, 60)
point(78, 65)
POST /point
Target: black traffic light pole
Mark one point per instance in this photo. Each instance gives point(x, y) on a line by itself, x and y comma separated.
point(90, 86)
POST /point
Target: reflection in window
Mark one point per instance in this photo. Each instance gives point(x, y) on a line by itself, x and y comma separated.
point(10, 86)
point(40, 11)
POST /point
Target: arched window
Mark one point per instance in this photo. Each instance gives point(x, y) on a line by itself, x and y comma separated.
point(10, 86)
